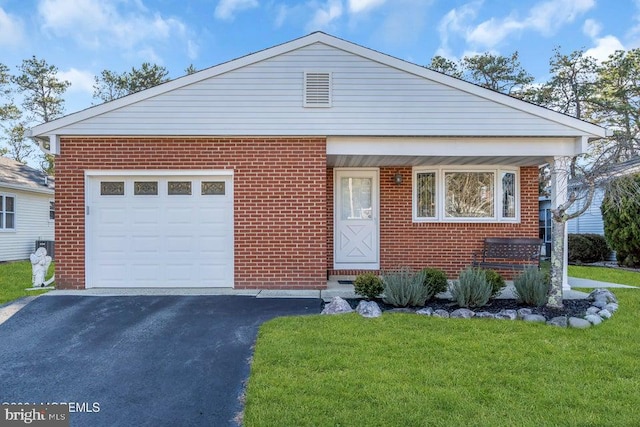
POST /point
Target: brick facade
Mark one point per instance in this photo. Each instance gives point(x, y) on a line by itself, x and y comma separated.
point(283, 207)
point(448, 246)
point(279, 203)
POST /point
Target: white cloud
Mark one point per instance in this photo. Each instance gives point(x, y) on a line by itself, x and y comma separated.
point(591, 28)
point(545, 18)
point(325, 15)
point(81, 81)
point(357, 6)
point(192, 49)
point(11, 29)
point(97, 23)
point(226, 9)
point(604, 47)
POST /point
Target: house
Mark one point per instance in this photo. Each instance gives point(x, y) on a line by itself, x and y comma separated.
point(313, 158)
point(26, 209)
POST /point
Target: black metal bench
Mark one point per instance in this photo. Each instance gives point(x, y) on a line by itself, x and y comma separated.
point(508, 253)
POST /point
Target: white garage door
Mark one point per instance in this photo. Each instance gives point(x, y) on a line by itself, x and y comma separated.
point(159, 231)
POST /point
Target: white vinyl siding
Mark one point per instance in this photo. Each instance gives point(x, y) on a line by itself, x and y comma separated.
point(31, 223)
point(367, 98)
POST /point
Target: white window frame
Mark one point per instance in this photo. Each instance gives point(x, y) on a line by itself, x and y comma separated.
point(52, 210)
point(3, 213)
point(440, 194)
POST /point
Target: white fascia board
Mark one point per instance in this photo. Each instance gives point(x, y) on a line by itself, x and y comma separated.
point(25, 188)
point(481, 147)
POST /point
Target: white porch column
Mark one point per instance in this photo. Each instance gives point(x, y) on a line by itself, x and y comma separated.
point(559, 193)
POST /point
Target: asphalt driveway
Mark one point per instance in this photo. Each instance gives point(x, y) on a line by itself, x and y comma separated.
point(137, 360)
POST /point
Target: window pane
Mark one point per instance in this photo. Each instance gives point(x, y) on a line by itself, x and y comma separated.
point(426, 188)
point(356, 198)
point(9, 204)
point(10, 220)
point(508, 195)
point(469, 194)
point(213, 188)
point(52, 210)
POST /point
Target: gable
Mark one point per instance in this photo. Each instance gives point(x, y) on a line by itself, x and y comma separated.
point(371, 95)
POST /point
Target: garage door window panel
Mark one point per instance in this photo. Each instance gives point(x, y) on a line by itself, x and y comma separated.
point(179, 188)
point(213, 188)
point(145, 188)
point(112, 188)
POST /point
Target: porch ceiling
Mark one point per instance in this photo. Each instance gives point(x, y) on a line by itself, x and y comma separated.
point(390, 160)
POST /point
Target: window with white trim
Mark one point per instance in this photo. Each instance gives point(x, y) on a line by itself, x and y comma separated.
point(7, 212)
point(451, 194)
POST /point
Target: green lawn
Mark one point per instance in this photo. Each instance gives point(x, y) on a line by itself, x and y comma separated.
point(604, 274)
point(15, 277)
point(409, 370)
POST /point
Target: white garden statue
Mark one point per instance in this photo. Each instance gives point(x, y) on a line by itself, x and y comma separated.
point(40, 263)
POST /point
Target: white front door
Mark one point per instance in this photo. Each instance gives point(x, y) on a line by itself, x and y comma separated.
point(356, 219)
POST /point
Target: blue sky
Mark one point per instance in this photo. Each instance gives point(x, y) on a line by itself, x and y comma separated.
point(84, 37)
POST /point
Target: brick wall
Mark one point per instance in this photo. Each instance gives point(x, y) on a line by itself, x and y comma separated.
point(279, 200)
point(448, 246)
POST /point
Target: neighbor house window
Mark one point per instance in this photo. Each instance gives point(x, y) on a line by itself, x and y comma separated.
point(52, 210)
point(455, 194)
point(7, 212)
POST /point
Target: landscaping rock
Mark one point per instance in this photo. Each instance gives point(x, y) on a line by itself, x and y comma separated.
point(611, 307)
point(559, 321)
point(441, 313)
point(401, 310)
point(507, 315)
point(534, 318)
point(337, 306)
point(594, 319)
point(427, 311)
point(368, 309)
point(485, 315)
point(605, 314)
point(576, 322)
point(593, 310)
point(604, 294)
point(524, 312)
point(600, 303)
point(462, 313)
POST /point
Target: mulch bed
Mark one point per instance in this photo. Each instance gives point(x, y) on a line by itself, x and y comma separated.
point(572, 307)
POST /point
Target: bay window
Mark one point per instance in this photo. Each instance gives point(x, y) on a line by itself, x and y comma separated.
point(451, 194)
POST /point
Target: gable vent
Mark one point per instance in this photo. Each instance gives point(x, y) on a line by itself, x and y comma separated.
point(317, 89)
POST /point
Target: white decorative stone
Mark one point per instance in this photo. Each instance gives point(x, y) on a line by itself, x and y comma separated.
point(604, 294)
point(40, 263)
point(368, 309)
point(507, 315)
point(605, 314)
point(593, 310)
point(559, 321)
point(427, 311)
point(485, 315)
point(524, 312)
point(534, 318)
point(612, 307)
point(462, 313)
point(594, 319)
point(441, 313)
point(600, 303)
point(337, 306)
point(576, 322)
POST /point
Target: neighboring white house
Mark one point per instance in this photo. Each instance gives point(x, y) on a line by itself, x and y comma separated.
point(27, 209)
